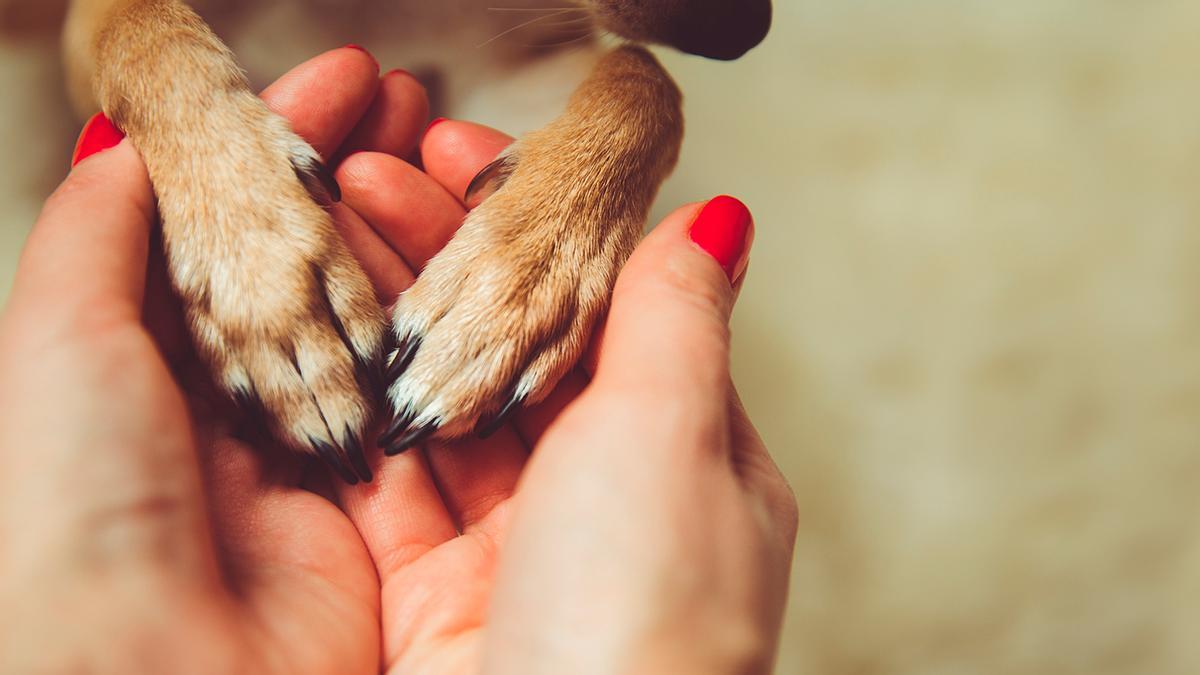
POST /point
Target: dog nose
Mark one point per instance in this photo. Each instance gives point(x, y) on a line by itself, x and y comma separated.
point(721, 29)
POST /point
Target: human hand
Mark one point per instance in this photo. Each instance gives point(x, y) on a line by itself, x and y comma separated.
point(634, 522)
point(137, 533)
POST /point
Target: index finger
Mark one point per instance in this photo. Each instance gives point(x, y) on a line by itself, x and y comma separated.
point(324, 97)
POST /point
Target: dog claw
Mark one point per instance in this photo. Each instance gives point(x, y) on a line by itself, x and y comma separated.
point(488, 181)
point(358, 459)
point(319, 180)
point(372, 374)
point(335, 462)
point(509, 409)
point(413, 437)
point(403, 360)
point(397, 427)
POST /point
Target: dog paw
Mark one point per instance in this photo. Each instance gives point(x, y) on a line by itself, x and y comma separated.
point(277, 305)
point(507, 308)
point(501, 314)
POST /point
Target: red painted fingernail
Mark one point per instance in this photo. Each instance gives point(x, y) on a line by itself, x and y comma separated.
point(435, 123)
point(724, 228)
point(98, 135)
point(364, 50)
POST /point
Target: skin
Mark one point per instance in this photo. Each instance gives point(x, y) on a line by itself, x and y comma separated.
point(632, 523)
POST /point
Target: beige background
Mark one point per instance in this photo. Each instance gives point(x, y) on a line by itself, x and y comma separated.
point(970, 328)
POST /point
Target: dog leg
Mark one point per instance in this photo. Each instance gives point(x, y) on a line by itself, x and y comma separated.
point(507, 308)
point(276, 303)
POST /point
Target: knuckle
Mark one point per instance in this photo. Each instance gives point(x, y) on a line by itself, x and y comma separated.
point(787, 509)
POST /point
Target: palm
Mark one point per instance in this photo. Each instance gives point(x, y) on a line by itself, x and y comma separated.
point(303, 584)
point(295, 570)
point(435, 522)
point(435, 607)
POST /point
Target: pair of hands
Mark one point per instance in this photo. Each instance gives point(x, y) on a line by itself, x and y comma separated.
point(634, 522)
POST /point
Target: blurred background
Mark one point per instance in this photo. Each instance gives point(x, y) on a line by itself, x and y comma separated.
point(971, 328)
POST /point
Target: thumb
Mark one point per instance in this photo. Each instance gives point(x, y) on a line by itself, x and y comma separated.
point(89, 247)
point(668, 329)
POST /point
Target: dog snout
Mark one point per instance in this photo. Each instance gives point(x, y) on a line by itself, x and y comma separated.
point(723, 30)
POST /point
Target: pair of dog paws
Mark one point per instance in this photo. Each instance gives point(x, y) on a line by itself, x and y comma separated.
point(287, 319)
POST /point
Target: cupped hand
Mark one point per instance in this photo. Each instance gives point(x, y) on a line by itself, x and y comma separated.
point(634, 522)
point(137, 532)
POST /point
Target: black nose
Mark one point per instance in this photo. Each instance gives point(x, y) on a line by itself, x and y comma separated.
point(721, 29)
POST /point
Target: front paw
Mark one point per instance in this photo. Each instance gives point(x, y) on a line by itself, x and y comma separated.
point(499, 316)
point(507, 308)
point(276, 303)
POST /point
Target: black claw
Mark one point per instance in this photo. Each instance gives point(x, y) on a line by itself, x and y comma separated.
point(358, 459)
point(372, 373)
point(404, 358)
point(335, 462)
point(486, 430)
point(489, 181)
point(410, 439)
point(398, 426)
point(390, 343)
point(330, 183)
point(319, 181)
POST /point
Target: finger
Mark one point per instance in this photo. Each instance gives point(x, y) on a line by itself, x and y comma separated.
point(395, 120)
point(86, 257)
point(475, 476)
point(401, 515)
point(325, 97)
point(455, 152)
point(388, 272)
point(667, 335)
point(412, 213)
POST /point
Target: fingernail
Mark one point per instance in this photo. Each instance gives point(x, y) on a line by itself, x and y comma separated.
point(724, 229)
point(364, 50)
point(435, 123)
point(98, 135)
point(397, 71)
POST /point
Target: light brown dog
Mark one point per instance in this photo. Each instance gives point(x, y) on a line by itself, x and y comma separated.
point(275, 301)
